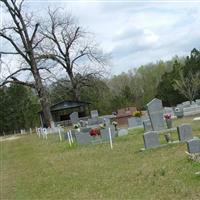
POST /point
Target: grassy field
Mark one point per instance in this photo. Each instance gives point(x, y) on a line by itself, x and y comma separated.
point(32, 168)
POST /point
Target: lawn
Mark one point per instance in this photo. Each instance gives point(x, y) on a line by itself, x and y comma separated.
point(33, 168)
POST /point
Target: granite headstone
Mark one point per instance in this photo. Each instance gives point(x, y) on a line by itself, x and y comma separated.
point(155, 111)
point(184, 132)
point(193, 145)
point(151, 139)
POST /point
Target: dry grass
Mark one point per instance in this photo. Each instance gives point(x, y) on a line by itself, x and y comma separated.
point(32, 168)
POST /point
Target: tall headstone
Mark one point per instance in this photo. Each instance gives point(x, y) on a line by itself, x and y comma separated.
point(94, 113)
point(155, 111)
point(151, 139)
point(184, 132)
point(74, 117)
point(193, 145)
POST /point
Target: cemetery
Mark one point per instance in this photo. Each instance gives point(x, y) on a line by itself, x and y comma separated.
point(99, 100)
point(145, 147)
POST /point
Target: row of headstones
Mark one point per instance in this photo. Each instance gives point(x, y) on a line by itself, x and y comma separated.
point(83, 136)
point(154, 118)
point(187, 103)
point(151, 138)
point(94, 120)
point(186, 109)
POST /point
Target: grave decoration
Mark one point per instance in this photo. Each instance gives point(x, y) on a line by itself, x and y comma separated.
point(114, 123)
point(168, 119)
point(137, 114)
point(77, 126)
point(95, 132)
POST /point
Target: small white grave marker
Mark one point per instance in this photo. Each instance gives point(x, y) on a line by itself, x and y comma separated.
point(59, 134)
point(70, 132)
point(110, 136)
point(69, 138)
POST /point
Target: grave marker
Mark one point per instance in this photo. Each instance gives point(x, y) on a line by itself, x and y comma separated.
point(151, 139)
point(155, 111)
point(184, 132)
point(94, 113)
point(193, 145)
point(147, 125)
point(74, 117)
point(134, 122)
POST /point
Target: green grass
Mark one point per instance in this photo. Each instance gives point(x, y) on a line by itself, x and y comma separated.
point(33, 168)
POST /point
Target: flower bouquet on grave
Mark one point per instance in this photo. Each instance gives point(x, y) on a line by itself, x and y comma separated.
point(114, 123)
point(77, 126)
point(94, 132)
point(168, 119)
point(137, 114)
point(102, 126)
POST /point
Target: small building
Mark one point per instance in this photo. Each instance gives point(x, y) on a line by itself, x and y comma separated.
point(61, 111)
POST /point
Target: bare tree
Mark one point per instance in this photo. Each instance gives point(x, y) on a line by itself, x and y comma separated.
point(69, 45)
point(189, 86)
point(22, 34)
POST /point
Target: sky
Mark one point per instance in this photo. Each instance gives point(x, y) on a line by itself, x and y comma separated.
point(139, 32)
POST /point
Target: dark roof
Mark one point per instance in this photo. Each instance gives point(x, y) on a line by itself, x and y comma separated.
point(68, 104)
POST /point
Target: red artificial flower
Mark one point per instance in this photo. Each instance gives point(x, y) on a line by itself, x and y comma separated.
point(94, 132)
point(167, 116)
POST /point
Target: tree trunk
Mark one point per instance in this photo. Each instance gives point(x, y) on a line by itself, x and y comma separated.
point(48, 120)
point(75, 90)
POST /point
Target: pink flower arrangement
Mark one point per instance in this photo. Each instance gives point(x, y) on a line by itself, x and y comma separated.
point(167, 116)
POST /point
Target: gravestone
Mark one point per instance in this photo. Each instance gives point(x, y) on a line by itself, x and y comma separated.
point(105, 133)
point(83, 138)
point(147, 125)
point(198, 102)
point(186, 104)
point(94, 113)
point(122, 132)
point(178, 111)
point(184, 132)
point(193, 145)
point(155, 111)
point(134, 122)
point(106, 121)
point(74, 117)
point(192, 110)
point(151, 139)
point(92, 121)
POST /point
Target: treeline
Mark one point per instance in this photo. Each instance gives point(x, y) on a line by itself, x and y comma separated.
point(172, 81)
point(19, 109)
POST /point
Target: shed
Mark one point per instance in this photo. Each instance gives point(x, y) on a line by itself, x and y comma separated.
point(62, 110)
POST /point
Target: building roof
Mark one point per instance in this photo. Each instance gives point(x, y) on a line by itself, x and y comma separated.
point(68, 104)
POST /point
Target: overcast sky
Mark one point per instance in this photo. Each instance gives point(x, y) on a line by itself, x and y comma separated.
point(137, 33)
